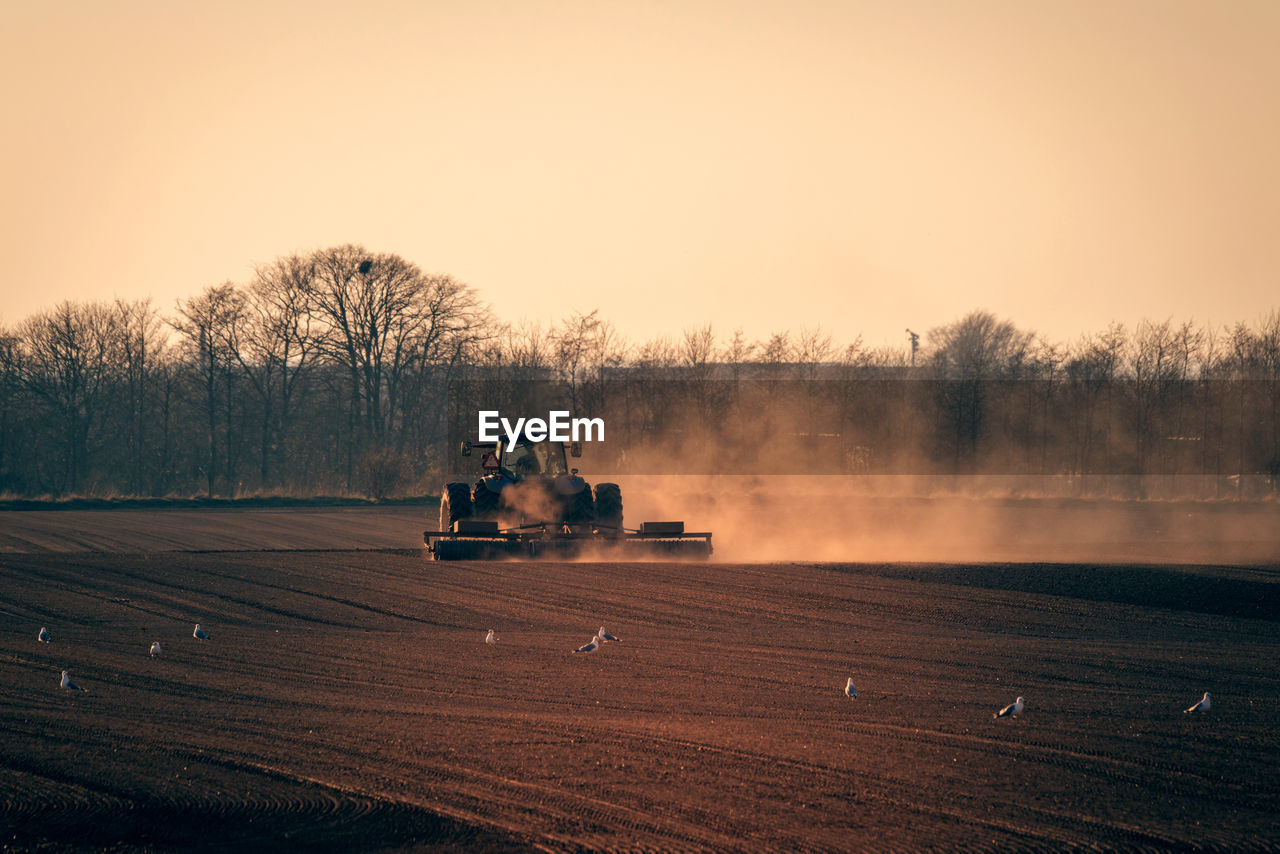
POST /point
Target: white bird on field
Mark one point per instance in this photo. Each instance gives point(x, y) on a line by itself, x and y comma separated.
point(1202, 706)
point(605, 636)
point(199, 633)
point(1012, 710)
point(590, 647)
point(155, 648)
point(67, 683)
point(849, 690)
point(43, 637)
point(491, 638)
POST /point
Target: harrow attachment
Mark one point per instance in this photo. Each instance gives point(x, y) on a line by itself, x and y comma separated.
point(473, 539)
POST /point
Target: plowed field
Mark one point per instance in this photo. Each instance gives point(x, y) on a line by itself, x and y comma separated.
point(345, 700)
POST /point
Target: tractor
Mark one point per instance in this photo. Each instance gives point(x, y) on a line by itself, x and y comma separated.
point(528, 502)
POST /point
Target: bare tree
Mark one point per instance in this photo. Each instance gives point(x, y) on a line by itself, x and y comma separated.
point(1090, 373)
point(528, 350)
point(166, 383)
point(658, 353)
point(1267, 348)
point(387, 323)
point(979, 345)
point(1189, 343)
point(208, 325)
point(274, 345)
point(454, 324)
point(66, 363)
point(1251, 360)
point(140, 344)
point(1151, 364)
point(778, 350)
point(10, 406)
point(1037, 411)
point(370, 304)
point(699, 346)
point(813, 349)
point(738, 352)
point(967, 356)
point(584, 346)
point(647, 391)
point(510, 369)
point(879, 409)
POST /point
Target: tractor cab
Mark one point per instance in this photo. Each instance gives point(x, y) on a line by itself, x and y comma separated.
point(529, 483)
point(528, 459)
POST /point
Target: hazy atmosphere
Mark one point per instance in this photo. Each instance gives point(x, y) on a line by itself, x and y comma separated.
point(930, 352)
point(873, 166)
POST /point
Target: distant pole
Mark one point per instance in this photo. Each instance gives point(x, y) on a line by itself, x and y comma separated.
point(915, 345)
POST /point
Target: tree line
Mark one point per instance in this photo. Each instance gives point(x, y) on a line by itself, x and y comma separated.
point(344, 371)
point(983, 397)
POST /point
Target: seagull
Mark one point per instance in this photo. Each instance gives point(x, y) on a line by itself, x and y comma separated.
point(1202, 706)
point(1013, 709)
point(67, 683)
point(491, 638)
point(43, 637)
point(199, 633)
point(605, 636)
point(155, 648)
point(590, 647)
point(849, 690)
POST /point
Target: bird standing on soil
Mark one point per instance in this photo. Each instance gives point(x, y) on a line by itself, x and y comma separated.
point(849, 690)
point(1202, 706)
point(1012, 710)
point(155, 648)
point(605, 636)
point(199, 633)
point(491, 638)
point(68, 684)
point(590, 647)
point(43, 637)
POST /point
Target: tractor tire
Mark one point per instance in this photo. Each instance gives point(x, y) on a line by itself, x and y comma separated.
point(485, 502)
point(455, 504)
point(580, 509)
point(609, 506)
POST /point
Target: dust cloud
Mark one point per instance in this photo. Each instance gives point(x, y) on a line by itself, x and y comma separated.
point(528, 500)
point(832, 518)
point(778, 467)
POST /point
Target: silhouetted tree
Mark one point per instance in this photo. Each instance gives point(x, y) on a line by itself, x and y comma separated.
point(208, 324)
point(385, 321)
point(585, 346)
point(275, 347)
point(66, 364)
point(967, 357)
point(11, 410)
point(140, 350)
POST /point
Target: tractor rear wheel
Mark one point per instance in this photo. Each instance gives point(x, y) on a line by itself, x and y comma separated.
point(609, 506)
point(486, 502)
point(579, 508)
point(455, 504)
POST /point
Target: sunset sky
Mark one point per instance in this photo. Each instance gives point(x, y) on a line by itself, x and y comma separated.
point(863, 166)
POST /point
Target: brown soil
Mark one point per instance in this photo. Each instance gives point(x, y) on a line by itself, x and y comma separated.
point(346, 701)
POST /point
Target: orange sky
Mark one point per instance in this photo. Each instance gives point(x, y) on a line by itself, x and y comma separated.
point(866, 166)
